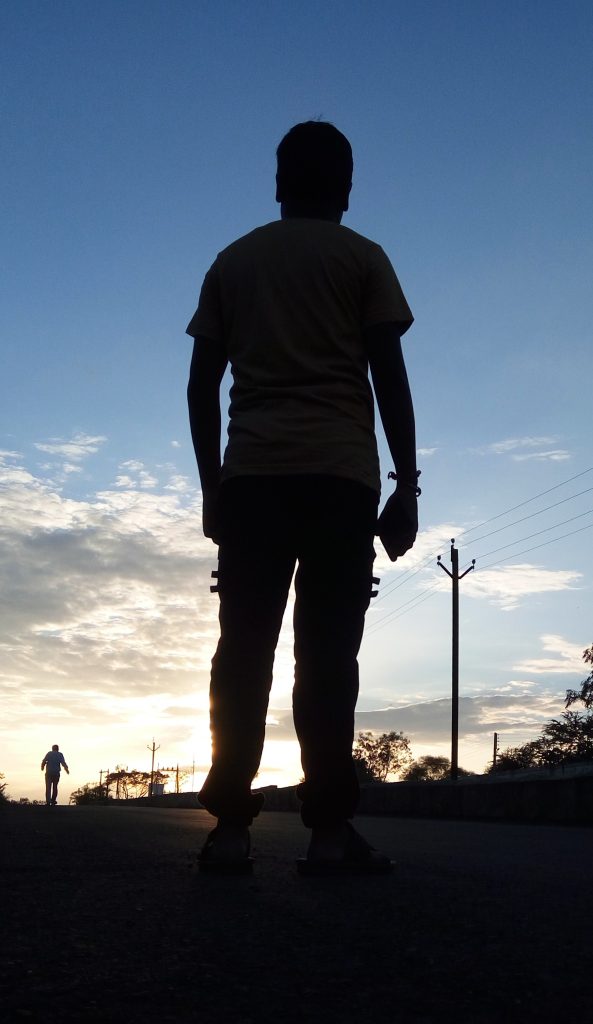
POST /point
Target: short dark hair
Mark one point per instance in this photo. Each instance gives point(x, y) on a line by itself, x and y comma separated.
point(314, 163)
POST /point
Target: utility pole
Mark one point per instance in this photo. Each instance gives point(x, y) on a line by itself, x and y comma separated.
point(153, 750)
point(455, 577)
point(193, 768)
point(495, 751)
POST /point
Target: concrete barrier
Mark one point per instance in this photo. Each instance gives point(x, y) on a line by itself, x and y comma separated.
point(560, 801)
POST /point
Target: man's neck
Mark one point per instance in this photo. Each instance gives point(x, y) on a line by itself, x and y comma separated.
point(314, 211)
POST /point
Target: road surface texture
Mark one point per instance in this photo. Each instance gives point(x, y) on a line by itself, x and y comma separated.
point(104, 919)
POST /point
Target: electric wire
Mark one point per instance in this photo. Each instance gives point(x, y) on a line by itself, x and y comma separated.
point(527, 501)
point(538, 533)
point(526, 551)
point(395, 613)
point(525, 518)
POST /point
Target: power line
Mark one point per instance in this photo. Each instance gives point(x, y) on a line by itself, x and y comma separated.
point(538, 533)
point(535, 548)
point(402, 609)
point(410, 573)
point(528, 501)
point(413, 602)
point(531, 516)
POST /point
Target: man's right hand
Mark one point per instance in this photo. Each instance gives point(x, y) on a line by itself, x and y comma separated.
point(397, 525)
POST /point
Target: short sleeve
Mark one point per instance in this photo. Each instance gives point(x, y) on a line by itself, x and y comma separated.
point(207, 319)
point(384, 300)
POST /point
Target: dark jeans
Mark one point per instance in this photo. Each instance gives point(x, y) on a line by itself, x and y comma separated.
point(270, 524)
point(51, 788)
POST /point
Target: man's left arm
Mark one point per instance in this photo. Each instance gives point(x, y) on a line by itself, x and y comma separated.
point(208, 364)
point(398, 524)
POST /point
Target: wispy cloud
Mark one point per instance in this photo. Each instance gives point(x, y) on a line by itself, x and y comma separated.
point(77, 448)
point(568, 658)
point(555, 455)
point(507, 585)
point(522, 449)
point(425, 453)
point(135, 475)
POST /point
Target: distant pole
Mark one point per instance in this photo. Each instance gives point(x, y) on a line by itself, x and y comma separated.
point(177, 779)
point(495, 751)
point(153, 749)
point(193, 768)
point(455, 577)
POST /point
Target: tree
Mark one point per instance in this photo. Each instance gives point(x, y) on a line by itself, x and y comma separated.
point(430, 768)
point(566, 740)
point(88, 794)
point(585, 694)
point(376, 757)
point(3, 797)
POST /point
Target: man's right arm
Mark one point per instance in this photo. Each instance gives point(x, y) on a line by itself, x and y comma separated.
point(208, 364)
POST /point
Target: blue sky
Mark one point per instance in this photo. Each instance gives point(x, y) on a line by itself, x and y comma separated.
point(138, 140)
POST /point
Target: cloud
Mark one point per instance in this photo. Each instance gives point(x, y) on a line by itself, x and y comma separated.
point(516, 716)
point(557, 455)
point(79, 447)
point(104, 596)
point(569, 658)
point(135, 475)
point(512, 443)
point(180, 484)
point(506, 585)
point(426, 452)
point(522, 449)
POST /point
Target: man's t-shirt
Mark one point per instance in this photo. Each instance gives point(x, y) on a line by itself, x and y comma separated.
point(289, 303)
point(54, 759)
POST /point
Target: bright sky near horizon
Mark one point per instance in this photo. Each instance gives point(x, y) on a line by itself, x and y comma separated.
point(139, 139)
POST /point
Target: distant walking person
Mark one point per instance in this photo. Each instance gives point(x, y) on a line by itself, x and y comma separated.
point(53, 762)
point(300, 308)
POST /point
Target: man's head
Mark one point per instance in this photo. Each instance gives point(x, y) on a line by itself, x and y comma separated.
point(314, 166)
point(55, 747)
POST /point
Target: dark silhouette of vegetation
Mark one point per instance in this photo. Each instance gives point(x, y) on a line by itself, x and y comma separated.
point(3, 796)
point(88, 794)
point(122, 784)
point(567, 740)
point(430, 768)
point(376, 757)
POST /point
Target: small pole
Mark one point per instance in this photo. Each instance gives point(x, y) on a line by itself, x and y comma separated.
point(455, 577)
point(153, 748)
point(495, 751)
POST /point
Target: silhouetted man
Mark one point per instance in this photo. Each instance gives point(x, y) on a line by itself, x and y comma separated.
point(53, 762)
point(300, 309)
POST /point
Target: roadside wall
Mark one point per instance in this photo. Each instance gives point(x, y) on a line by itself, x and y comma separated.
point(565, 801)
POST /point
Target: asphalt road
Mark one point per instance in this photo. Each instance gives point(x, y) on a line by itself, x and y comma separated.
point(104, 919)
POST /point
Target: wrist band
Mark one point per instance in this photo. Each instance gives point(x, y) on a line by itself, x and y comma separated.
point(406, 483)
